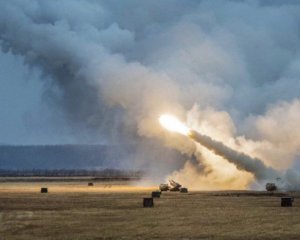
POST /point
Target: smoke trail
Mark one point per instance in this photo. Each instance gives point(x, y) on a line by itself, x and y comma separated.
point(241, 160)
point(289, 180)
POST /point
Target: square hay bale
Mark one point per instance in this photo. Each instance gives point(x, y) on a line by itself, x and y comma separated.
point(44, 190)
point(156, 194)
point(148, 202)
point(183, 190)
point(287, 201)
point(90, 184)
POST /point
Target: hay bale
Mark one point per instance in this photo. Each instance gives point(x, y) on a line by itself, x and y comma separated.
point(148, 202)
point(90, 184)
point(156, 194)
point(287, 201)
point(44, 190)
point(183, 190)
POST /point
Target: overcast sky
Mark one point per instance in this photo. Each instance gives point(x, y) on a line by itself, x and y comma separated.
point(26, 117)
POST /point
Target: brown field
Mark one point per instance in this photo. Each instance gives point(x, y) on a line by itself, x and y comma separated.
point(113, 210)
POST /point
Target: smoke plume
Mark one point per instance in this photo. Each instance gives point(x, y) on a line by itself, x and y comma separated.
point(230, 68)
point(240, 160)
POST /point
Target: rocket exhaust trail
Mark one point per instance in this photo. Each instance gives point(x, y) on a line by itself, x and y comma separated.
point(241, 160)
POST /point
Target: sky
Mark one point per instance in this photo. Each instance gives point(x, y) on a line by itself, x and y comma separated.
point(237, 56)
point(89, 71)
point(25, 115)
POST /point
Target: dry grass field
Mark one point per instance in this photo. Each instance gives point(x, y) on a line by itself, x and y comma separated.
point(114, 211)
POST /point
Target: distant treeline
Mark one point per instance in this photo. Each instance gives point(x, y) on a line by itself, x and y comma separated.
point(147, 154)
point(105, 173)
point(65, 156)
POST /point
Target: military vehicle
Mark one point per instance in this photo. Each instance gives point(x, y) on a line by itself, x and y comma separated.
point(172, 186)
point(164, 187)
point(271, 187)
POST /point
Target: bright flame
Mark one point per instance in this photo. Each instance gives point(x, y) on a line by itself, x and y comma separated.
point(173, 124)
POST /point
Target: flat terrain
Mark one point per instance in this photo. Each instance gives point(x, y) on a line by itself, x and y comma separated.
point(113, 210)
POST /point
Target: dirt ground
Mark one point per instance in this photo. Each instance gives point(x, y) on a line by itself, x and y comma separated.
point(114, 211)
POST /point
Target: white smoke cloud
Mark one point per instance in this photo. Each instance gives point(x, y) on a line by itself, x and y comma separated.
point(113, 67)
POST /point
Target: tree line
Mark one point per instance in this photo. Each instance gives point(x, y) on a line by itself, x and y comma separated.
point(103, 173)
